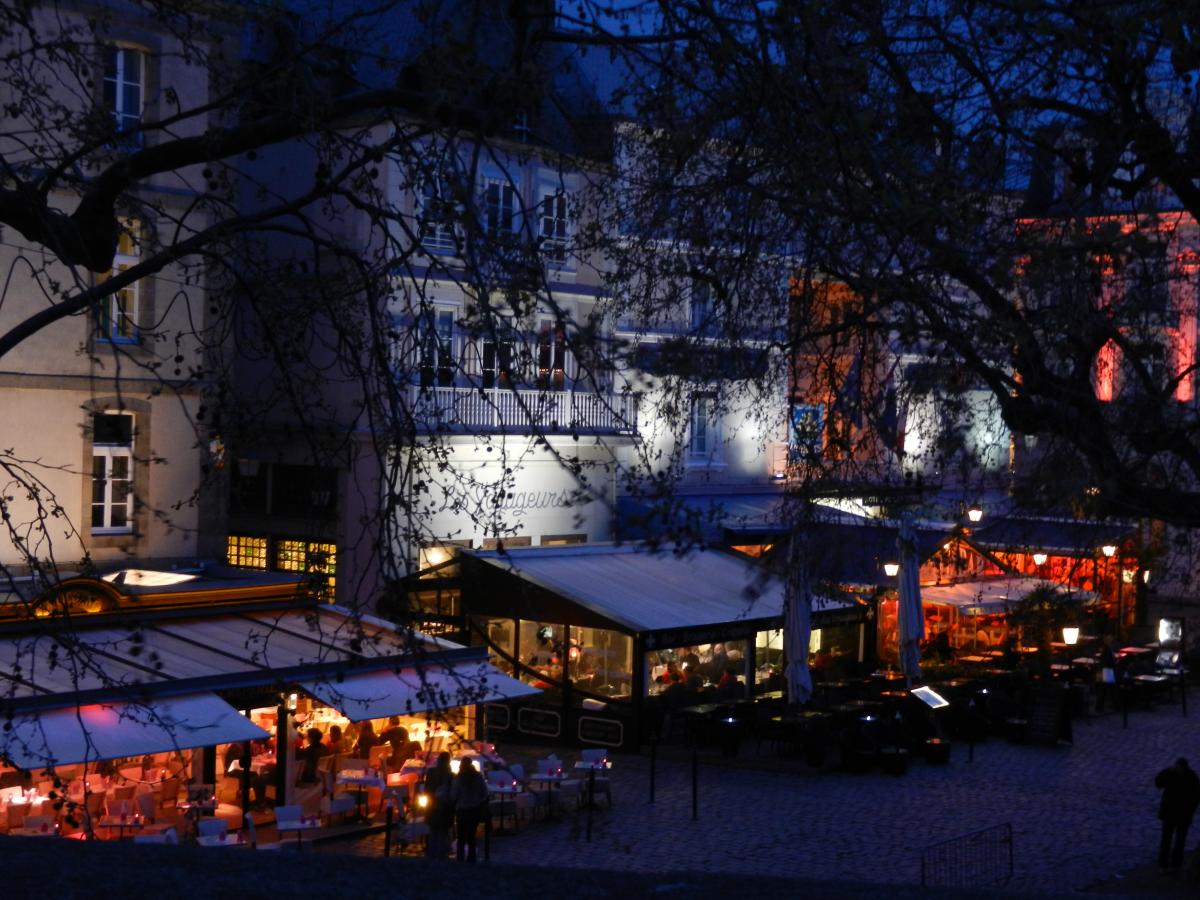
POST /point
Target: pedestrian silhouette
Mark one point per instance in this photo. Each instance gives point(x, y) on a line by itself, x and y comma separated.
point(1180, 788)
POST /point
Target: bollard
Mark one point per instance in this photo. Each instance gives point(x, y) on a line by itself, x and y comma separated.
point(695, 780)
point(387, 830)
point(591, 801)
point(653, 765)
point(487, 835)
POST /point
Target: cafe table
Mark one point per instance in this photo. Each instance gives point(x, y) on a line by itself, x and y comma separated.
point(220, 840)
point(553, 781)
point(592, 768)
point(504, 791)
point(361, 779)
point(301, 825)
point(120, 823)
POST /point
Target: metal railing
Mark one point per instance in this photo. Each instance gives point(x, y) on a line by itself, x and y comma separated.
point(979, 859)
point(475, 410)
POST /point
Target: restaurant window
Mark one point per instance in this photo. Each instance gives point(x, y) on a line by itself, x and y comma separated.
point(600, 661)
point(551, 361)
point(438, 552)
point(541, 647)
point(436, 332)
point(246, 552)
point(118, 312)
point(562, 540)
point(124, 82)
point(501, 635)
point(310, 558)
point(516, 540)
point(719, 665)
point(112, 472)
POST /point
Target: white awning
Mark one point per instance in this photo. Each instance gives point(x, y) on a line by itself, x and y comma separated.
point(373, 695)
point(75, 734)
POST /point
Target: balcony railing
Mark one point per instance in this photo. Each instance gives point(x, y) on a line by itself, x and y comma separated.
point(472, 410)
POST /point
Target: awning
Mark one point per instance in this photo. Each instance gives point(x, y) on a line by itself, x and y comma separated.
point(1063, 537)
point(996, 596)
point(373, 695)
point(75, 734)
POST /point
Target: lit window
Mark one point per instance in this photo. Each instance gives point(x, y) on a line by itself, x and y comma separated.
point(246, 552)
point(308, 557)
point(119, 310)
point(124, 71)
point(112, 472)
point(552, 352)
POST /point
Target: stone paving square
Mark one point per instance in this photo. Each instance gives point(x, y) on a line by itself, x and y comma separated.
point(1081, 815)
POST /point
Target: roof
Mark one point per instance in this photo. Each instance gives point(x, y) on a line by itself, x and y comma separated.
point(641, 590)
point(991, 596)
point(110, 660)
point(1067, 537)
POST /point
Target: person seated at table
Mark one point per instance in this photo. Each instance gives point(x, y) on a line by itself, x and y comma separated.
point(308, 757)
point(729, 678)
point(691, 661)
point(671, 675)
point(366, 740)
point(337, 742)
point(402, 747)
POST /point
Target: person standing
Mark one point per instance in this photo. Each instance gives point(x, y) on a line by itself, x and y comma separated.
point(470, 796)
point(1180, 788)
point(439, 785)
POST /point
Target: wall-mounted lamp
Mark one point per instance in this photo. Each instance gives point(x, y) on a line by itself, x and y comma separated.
point(1127, 575)
point(1109, 550)
point(1145, 576)
point(891, 569)
point(975, 514)
point(1070, 634)
point(290, 702)
point(1039, 559)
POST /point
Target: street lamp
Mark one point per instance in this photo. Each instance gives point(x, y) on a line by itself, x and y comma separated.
point(1070, 635)
point(891, 569)
point(1039, 559)
point(975, 514)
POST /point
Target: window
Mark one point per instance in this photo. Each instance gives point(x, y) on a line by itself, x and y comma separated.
point(701, 305)
point(499, 207)
point(804, 440)
point(701, 442)
point(309, 557)
point(438, 215)
point(554, 225)
point(246, 552)
point(112, 472)
point(562, 540)
point(119, 310)
point(515, 540)
point(552, 351)
point(497, 363)
point(437, 348)
point(1148, 288)
point(124, 80)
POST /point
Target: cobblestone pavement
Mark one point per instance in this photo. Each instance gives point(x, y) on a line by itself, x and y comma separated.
point(1081, 815)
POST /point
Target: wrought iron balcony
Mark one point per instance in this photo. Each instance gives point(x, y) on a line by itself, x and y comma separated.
point(467, 410)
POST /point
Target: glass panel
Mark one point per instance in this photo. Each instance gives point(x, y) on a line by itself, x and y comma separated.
point(112, 429)
point(120, 469)
point(110, 62)
point(713, 667)
point(601, 661)
point(501, 635)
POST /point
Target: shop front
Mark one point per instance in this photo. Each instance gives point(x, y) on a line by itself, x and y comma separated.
point(158, 700)
point(611, 633)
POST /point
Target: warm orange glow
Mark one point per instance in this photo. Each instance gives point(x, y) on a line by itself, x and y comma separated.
point(1107, 362)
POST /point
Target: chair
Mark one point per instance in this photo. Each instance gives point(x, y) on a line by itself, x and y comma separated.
point(354, 764)
point(252, 834)
point(124, 792)
point(118, 808)
point(212, 827)
point(16, 814)
point(332, 802)
point(600, 784)
point(168, 793)
point(378, 754)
